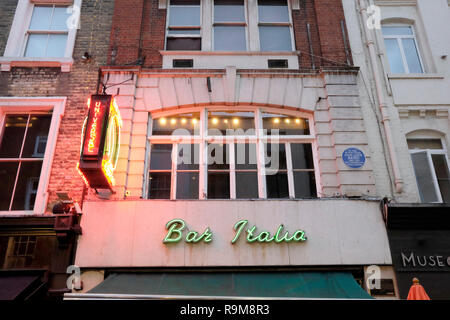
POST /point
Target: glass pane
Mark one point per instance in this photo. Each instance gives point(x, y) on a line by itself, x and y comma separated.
point(275, 38)
point(397, 31)
point(218, 185)
point(56, 45)
point(424, 144)
point(277, 185)
point(424, 177)
point(304, 184)
point(36, 139)
point(229, 38)
point(187, 185)
point(36, 45)
point(229, 11)
point(60, 18)
point(218, 156)
point(12, 138)
point(184, 16)
point(278, 124)
point(27, 185)
point(245, 156)
point(188, 157)
point(8, 171)
point(180, 124)
point(161, 157)
point(412, 56)
point(273, 11)
point(159, 185)
point(231, 123)
point(275, 154)
point(394, 56)
point(184, 44)
point(246, 185)
point(443, 175)
point(302, 156)
point(41, 18)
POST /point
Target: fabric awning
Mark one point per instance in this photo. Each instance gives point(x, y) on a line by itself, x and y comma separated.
point(331, 285)
point(18, 287)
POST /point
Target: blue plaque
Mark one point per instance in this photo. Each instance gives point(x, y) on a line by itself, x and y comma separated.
point(353, 157)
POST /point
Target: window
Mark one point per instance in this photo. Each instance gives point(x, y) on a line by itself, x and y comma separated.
point(183, 29)
point(274, 25)
point(402, 50)
point(229, 25)
point(244, 154)
point(431, 167)
point(21, 251)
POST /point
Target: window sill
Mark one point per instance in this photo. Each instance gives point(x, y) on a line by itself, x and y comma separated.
point(229, 53)
point(415, 76)
point(8, 62)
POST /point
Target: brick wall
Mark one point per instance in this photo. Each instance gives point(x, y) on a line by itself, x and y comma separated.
point(77, 85)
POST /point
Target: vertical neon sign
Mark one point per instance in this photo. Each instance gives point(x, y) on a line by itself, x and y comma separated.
point(94, 128)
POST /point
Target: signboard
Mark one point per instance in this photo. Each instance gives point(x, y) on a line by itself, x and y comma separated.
point(101, 141)
point(353, 158)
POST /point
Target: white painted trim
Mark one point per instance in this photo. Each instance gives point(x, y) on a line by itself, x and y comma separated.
point(57, 106)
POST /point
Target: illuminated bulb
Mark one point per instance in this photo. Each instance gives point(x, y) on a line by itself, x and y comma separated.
point(163, 121)
point(183, 121)
point(276, 120)
point(194, 121)
point(287, 120)
point(297, 120)
point(235, 121)
point(173, 121)
point(226, 120)
point(215, 121)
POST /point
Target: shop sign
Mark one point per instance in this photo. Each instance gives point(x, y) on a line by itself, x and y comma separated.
point(420, 261)
point(177, 227)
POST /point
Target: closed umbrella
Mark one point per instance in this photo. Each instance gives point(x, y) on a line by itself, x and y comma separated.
point(417, 292)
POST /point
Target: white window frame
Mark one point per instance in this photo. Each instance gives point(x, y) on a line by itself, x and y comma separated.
point(399, 39)
point(203, 139)
point(429, 153)
point(20, 105)
point(15, 47)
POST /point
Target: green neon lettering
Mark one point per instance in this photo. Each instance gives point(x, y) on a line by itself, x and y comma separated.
point(238, 227)
point(175, 226)
point(250, 234)
point(264, 236)
point(299, 235)
point(277, 235)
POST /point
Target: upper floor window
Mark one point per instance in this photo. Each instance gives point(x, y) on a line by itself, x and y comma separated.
point(184, 26)
point(402, 50)
point(274, 25)
point(229, 25)
point(430, 161)
point(223, 154)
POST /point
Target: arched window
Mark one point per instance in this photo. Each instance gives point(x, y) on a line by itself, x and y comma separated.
point(220, 153)
point(431, 166)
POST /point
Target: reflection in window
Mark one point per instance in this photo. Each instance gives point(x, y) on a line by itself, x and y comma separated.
point(277, 124)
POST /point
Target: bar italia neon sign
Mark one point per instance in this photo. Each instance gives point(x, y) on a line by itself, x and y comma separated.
point(176, 229)
point(100, 142)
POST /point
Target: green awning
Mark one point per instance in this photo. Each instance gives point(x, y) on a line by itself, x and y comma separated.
point(333, 285)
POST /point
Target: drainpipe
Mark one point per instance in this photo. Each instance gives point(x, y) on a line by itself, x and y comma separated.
point(398, 181)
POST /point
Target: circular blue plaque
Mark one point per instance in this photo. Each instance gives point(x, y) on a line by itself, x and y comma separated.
point(353, 157)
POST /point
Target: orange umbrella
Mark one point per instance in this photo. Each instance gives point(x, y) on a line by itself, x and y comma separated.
point(417, 292)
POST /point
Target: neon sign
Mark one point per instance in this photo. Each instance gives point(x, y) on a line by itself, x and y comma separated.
point(100, 142)
point(176, 229)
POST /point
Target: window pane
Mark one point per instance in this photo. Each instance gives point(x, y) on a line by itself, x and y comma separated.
point(36, 139)
point(184, 44)
point(304, 184)
point(275, 38)
point(412, 56)
point(246, 185)
point(159, 185)
point(302, 156)
point(229, 11)
point(245, 156)
point(218, 185)
point(184, 31)
point(188, 157)
point(397, 31)
point(180, 124)
point(36, 45)
point(161, 157)
point(40, 20)
point(12, 138)
point(8, 171)
point(60, 18)
point(218, 156)
point(56, 45)
point(443, 176)
point(273, 11)
point(394, 56)
point(277, 185)
point(275, 154)
point(27, 185)
point(229, 38)
point(424, 177)
point(277, 124)
point(187, 185)
point(184, 16)
point(231, 123)
point(424, 144)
